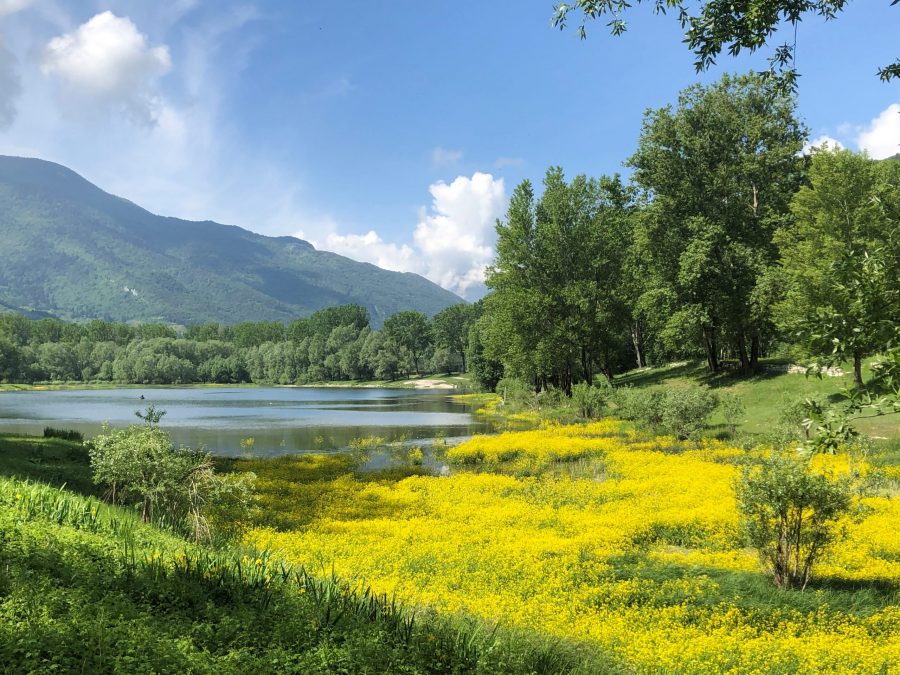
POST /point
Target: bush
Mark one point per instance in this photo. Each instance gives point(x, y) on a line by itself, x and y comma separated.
point(516, 394)
point(686, 411)
point(733, 410)
point(551, 398)
point(65, 434)
point(790, 516)
point(588, 400)
point(640, 405)
point(175, 487)
point(680, 412)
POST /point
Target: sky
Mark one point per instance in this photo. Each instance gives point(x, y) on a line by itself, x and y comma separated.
point(391, 132)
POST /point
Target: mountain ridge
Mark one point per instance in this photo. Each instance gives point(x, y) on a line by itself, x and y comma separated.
point(74, 251)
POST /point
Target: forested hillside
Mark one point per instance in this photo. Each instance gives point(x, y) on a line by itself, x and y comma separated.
point(73, 251)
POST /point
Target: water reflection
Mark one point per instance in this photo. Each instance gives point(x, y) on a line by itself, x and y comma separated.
point(282, 420)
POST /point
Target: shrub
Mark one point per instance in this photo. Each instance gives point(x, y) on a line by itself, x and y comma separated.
point(551, 398)
point(516, 394)
point(790, 515)
point(173, 486)
point(686, 411)
point(789, 429)
point(588, 400)
point(640, 405)
point(733, 410)
point(680, 412)
point(65, 434)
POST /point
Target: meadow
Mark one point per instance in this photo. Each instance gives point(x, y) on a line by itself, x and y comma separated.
point(619, 548)
point(87, 587)
point(552, 547)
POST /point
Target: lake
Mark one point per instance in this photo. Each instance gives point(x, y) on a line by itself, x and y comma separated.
point(282, 420)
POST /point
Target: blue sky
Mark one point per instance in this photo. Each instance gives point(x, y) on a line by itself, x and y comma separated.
point(389, 131)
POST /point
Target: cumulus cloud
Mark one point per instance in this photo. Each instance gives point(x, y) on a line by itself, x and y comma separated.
point(371, 248)
point(823, 142)
point(444, 157)
point(10, 86)
point(456, 234)
point(12, 6)
point(881, 138)
point(452, 241)
point(107, 63)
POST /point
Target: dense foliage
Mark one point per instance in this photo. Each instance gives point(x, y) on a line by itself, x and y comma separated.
point(730, 245)
point(336, 343)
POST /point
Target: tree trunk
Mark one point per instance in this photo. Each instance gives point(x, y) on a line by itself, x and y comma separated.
point(586, 366)
point(712, 349)
point(637, 338)
point(857, 369)
point(754, 352)
point(742, 350)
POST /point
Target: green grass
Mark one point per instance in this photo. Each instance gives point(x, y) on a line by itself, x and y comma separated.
point(87, 587)
point(764, 394)
point(49, 460)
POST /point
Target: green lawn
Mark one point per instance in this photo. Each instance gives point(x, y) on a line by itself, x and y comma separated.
point(764, 395)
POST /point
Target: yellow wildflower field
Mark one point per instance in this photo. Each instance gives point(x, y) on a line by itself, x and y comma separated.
point(628, 546)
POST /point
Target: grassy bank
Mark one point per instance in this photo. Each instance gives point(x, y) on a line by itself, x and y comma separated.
point(85, 587)
point(764, 394)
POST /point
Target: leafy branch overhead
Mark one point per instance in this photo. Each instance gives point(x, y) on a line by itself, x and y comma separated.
point(714, 26)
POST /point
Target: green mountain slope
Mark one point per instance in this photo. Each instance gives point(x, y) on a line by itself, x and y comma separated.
point(71, 250)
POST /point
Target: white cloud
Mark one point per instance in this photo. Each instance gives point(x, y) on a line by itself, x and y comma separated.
point(8, 7)
point(183, 163)
point(456, 235)
point(453, 240)
point(373, 249)
point(823, 142)
point(882, 137)
point(444, 157)
point(10, 86)
point(107, 63)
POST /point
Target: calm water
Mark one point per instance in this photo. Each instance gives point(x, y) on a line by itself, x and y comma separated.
point(282, 420)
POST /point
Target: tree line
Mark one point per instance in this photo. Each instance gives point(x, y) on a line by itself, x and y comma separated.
point(731, 242)
point(336, 343)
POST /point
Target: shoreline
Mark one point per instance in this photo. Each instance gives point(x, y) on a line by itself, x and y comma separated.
point(423, 384)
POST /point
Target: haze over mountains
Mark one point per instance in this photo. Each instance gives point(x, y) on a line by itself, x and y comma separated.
point(68, 249)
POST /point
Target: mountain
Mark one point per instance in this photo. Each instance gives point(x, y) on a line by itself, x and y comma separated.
point(71, 250)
